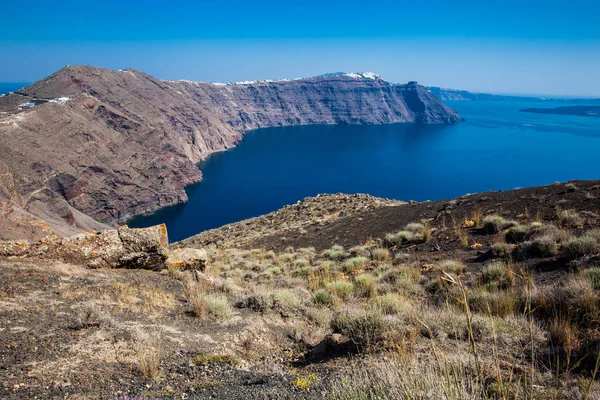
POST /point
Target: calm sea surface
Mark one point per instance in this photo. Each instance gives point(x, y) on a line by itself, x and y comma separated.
point(6, 87)
point(496, 148)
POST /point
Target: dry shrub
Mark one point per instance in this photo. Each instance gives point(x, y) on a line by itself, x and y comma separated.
point(380, 254)
point(148, 355)
point(335, 253)
point(495, 224)
point(354, 264)
point(391, 304)
point(365, 285)
point(476, 216)
point(498, 303)
point(586, 244)
point(451, 266)
point(211, 305)
point(570, 218)
point(320, 316)
point(365, 328)
point(341, 288)
point(516, 234)
point(396, 376)
point(287, 301)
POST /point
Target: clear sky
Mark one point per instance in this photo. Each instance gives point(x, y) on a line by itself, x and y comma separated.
point(526, 46)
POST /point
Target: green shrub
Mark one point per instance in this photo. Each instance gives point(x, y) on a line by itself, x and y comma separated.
point(286, 258)
point(496, 223)
point(380, 254)
point(205, 359)
point(390, 304)
point(303, 272)
point(301, 262)
point(365, 285)
point(412, 233)
point(541, 247)
point(502, 250)
point(335, 253)
point(415, 227)
point(325, 267)
point(365, 328)
point(355, 263)
point(586, 244)
point(214, 306)
point(593, 274)
point(499, 303)
point(451, 266)
point(403, 277)
point(274, 271)
point(342, 289)
point(569, 218)
point(360, 251)
point(517, 234)
point(493, 272)
point(323, 298)
point(396, 239)
point(287, 300)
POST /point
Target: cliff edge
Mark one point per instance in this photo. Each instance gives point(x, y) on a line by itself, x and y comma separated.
point(87, 148)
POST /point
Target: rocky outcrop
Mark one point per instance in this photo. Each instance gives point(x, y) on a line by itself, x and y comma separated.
point(187, 259)
point(144, 248)
point(99, 147)
point(123, 248)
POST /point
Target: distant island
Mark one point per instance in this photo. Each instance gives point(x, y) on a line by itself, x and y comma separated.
point(445, 94)
point(585, 111)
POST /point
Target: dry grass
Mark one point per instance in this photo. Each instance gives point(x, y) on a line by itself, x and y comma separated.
point(210, 305)
point(149, 359)
point(483, 326)
point(365, 328)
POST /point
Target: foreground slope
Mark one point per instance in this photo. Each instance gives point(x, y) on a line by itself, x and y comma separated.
point(491, 295)
point(87, 146)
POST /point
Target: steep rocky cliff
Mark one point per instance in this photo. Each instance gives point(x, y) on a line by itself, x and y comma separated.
point(86, 147)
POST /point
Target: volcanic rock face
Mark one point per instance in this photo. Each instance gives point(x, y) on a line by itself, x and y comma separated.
point(87, 148)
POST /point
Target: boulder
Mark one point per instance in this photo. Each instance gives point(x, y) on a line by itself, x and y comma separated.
point(187, 259)
point(145, 248)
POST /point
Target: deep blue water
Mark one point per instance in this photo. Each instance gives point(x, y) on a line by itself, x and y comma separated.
point(497, 147)
point(6, 87)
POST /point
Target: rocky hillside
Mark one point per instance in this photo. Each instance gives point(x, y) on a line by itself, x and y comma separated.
point(86, 147)
point(488, 296)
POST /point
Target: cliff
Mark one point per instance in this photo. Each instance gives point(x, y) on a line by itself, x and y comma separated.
point(88, 147)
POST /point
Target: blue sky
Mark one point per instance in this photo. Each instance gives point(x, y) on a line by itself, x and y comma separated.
point(530, 47)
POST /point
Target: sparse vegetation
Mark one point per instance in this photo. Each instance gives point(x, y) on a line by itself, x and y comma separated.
point(149, 359)
point(287, 300)
point(355, 264)
point(586, 244)
point(202, 358)
point(435, 313)
point(496, 223)
point(341, 288)
point(365, 328)
point(211, 305)
point(323, 298)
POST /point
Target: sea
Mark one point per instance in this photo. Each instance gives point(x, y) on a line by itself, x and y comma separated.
point(496, 147)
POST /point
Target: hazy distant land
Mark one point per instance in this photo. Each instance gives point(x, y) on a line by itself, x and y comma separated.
point(585, 111)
